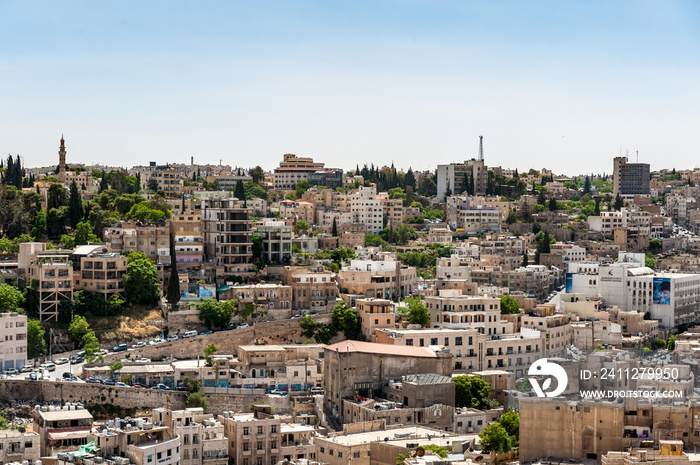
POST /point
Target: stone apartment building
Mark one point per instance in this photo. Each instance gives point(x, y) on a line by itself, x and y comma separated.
point(587, 429)
point(351, 235)
point(367, 209)
point(375, 314)
point(189, 241)
point(13, 336)
point(556, 330)
point(381, 279)
point(61, 429)
point(227, 230)
point(151, 239)
point(284, 367)
point(257, 438)
point(202, 439)
point(140, 440)
point(354, 368)
point(16, 446)
point(392, 209)
point(312, 288)
point(100, 272)
point(276, 240)
point(293, 169)
point(275, 299)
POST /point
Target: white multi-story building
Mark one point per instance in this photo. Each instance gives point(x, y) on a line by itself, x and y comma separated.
point(13, 340)
point(367, 209)
point(461, 214)
point(202, 439)
point(671, 298)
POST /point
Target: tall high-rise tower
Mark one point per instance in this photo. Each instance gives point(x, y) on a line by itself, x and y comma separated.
point(481, 148)
point(62, 156)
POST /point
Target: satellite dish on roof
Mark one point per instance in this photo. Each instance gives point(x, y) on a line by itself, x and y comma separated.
point(478, 458)
point(104, 250)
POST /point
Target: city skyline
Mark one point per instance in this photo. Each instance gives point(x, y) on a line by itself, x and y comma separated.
point(562, 86)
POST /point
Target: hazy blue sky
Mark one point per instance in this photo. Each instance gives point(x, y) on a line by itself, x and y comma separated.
point(560, 84)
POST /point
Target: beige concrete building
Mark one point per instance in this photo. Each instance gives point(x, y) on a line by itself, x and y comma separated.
point(293, 169)
point(102, 273)
point(62, 429)
point(381, 279)
point(284, 367)
point(312, 288)
point(257, 438)
point(151, 239)
point(189, 241)
point(375, 314)
point(202, 439)
point(16, 446)
point(275, 299)
point(227, 230)
point(139, 440)
point(354, 368)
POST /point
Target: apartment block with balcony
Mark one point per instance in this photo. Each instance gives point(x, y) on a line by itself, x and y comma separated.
point(375, 314)
point(62, 429)
point(227, 231)
point(276, 240)
point(202, 439)
point(151, 239)
point(313, 289)
point(189, 241)
point(16, 447)
point(140, 440)
point(13, 341)
point(367, 209)
point(381, 279)
point(102, 273)
point(275, 299)
point(253, 438)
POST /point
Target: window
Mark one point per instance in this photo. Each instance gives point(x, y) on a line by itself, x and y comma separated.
point(246, 446)
point(259, 445)
point(273, 428)
point(433, 341)
point(458, 341)
point(340, 454)
point(409, 342)
point(260, 430)
point(149, 459)
point(246, 431)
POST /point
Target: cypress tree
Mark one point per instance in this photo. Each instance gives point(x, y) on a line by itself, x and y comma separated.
point(172, 294)
point(75, 206)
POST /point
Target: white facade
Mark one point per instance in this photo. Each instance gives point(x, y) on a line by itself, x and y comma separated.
point(367, 209)
point(13, 340)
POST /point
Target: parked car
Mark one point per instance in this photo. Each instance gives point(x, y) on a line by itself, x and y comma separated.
point(296, 316)
point(120, 348)
point(143, 360)
point(102, 352)
point(278, 392)
point(11, 371)
point(156, 341)
point(68, 376)
point(26, 369)
point(230, 327)
point(208, 331)
point(75, 361)
point(108, 382)
point(192, 333)
point(161, 387)
point(172, 337)
point(120, 384)
point(244, 325)
point(93, 380)
point(61, 361)
point(45, 376)
point(139, 386)
point(48, 366)
point(33, 376)
point(138, 345)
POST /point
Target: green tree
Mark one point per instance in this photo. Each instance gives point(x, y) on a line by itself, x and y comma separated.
point(552, 204)
point(525, 259)
point(650, 261)
point(10, 298)
point(672, 342)
point(75, 206)
point(301, 227)
point(257, 174)
point(660, 344)
point(172, 294)
point(39, 225)
point(208, 352)
point(116, 366)
point(495, 438)
point(472, 391)
point(197, 399)
point(191, 384)
point(83, 234)
point(239, 192)
point(301, 187)
point(145, 211)
point(415, 312)
point(334, 229)
point(509, 305)
point(78, 328)
point(308, 326)
point(438, 450)
point(619, 203)
point(90, 345)
point(141, 280)
point(655, 246)
point(511, 423)
point(215, 314)
point(257, 241)
point(345, 319)
point(35, 338)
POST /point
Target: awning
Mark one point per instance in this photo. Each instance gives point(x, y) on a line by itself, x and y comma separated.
point(71, 433)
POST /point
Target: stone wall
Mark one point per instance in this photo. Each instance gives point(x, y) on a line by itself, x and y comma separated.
point(226, 342)
point(88, 394)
